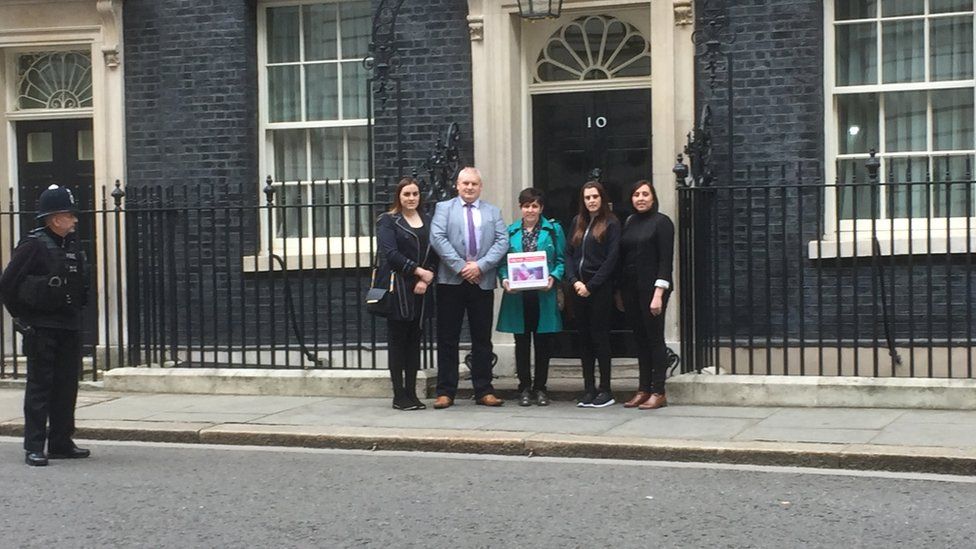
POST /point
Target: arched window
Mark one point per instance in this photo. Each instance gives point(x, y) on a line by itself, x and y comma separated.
point(597, 47)
point(54, 80)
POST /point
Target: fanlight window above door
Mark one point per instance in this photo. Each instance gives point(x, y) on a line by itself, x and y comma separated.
point(597, 47)
point(54, 80)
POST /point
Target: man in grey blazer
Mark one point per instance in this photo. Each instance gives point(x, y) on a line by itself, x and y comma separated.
point(470, 237)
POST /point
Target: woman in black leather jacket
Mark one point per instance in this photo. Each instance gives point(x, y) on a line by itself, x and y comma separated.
point(403, 238)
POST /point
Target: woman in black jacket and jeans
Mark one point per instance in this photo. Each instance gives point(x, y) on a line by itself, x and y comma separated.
point(403, 237)
point(646, 257)
point(591, 259)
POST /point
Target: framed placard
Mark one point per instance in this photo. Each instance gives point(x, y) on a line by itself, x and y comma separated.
point(528, 271)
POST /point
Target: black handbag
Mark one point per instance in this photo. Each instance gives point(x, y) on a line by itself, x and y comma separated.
point(379, 301)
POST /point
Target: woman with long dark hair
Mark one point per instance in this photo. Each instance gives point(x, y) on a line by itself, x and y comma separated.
point(591, 259)
point(646, 250)
point(403, 239)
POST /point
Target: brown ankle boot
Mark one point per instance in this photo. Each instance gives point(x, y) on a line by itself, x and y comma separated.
point(657, 400)
point(639, 398)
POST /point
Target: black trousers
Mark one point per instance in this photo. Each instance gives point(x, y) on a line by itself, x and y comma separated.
point(593, 321)
point(404, 338)
point(652, 356)
point(453, 301)
point(523, 347)
point(53, 368)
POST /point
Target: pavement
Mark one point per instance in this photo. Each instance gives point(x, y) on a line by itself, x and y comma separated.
point(925, 441)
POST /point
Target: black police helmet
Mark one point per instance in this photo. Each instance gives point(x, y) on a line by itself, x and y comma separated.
point(55, 200)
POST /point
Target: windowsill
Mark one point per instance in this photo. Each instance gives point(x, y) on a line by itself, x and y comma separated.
point(897, 243)
point(331, 253)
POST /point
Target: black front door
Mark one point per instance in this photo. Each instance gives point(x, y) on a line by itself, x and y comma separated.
point(60, 152)
point(576, 134)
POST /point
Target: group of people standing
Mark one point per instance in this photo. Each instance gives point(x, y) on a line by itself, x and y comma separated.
point(462, 249)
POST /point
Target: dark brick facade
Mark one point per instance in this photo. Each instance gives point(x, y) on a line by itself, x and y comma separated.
point(192, 142)
point(765, 284)
point(435, 72)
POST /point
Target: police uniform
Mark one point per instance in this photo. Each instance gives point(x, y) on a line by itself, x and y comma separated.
point(44, 287)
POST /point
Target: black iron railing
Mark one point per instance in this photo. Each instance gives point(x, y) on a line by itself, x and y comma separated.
point(195, 276)
point(781, 274)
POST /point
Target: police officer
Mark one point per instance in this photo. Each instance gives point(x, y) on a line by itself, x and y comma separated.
point(44, 287)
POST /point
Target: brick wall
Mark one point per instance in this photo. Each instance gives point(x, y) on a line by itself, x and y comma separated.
point(192, 140)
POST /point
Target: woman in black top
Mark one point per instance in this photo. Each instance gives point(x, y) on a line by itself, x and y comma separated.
point(591, 258)
point(403, 237)
point(646, 250)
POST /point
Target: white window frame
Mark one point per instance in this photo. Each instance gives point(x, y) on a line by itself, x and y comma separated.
point(854, 237)
point(308, 251)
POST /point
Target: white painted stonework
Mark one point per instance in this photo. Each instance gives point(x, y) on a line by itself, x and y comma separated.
point(504, 48)
point(93, 26)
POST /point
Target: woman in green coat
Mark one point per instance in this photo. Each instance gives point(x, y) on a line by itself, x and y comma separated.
point(533, 313)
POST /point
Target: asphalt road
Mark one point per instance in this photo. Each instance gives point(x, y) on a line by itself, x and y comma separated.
point(143, 495)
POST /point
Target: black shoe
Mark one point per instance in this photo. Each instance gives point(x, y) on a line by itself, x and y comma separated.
point(541, 398)
point(71, 453)
point(603, 400)
point(416, 404)
point(525, 398)
point(586, 401)
point(407, 404)
point(35, 459)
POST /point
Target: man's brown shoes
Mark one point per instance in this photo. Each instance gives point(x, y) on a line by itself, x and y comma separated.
point(490, 400)
point(657, 400)
point(639, 398)
point(442, 402)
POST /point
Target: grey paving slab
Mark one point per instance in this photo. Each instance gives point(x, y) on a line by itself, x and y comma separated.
point(954, 435)
point(240, 404)
point(327, 413)
point(746, 412)
point(442, 419)
point(204, 417)
point(794, 434)
point(592, 426)
point(682, 427)
point(571, 411)
point(831, 418)
point(938, 417)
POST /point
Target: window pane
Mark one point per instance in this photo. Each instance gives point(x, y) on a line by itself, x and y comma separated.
point(320, 26)
point(326, 153)
point(359, 215)
point(358, 147)
point(857, 123)
point(283, 35)
point(329, 212)
point(356, 26)
point(908, 193)
point(952, 119)
point(951, 48)
point(857, 54)
point(894, 8)
point(322, 92)
point(290, 155)
point(946, 6)
point(854, 190)
point(905, 121)
point(953, 195)
point(86, 145)
point(354, 77)
point(40, 147)
point(291, 217)
point(855, 9)
point(284, 94)
point(903, 51)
